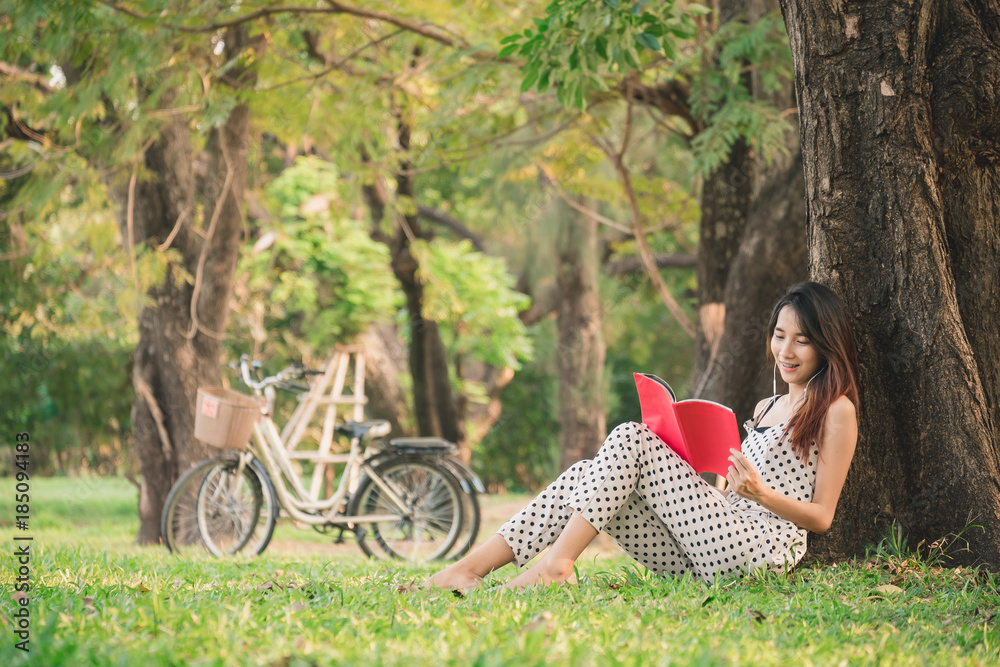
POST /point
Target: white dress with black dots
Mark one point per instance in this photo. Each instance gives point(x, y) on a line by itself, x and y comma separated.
point(664, 514)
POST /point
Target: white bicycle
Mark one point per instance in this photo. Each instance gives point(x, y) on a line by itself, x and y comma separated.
point(413, 499)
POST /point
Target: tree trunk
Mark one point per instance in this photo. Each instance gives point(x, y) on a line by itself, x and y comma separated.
point(433, 405)
point(175, 353)
point(582, 425)
point(384, 357)
point(899, 125)
point(725, 204)
point(771, 257)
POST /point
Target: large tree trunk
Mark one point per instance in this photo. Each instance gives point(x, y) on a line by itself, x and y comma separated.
point(582, 425)
point(899, 119)
point(176, 353)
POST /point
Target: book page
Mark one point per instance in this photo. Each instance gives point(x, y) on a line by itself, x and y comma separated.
point(657, 404)
point(710, 430)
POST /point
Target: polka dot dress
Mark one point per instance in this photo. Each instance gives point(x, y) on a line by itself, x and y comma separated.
point(664, 514)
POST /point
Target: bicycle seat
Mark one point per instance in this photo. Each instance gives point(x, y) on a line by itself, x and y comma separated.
point(423, 444)
point(373, 428)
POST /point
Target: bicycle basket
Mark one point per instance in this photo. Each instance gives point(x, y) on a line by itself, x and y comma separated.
point(224, 418)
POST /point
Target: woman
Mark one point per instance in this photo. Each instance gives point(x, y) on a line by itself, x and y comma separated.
point(786, 481)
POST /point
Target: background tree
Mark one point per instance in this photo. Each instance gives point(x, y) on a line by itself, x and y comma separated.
point(899, 124)
point(720, 87)
point(125, 108)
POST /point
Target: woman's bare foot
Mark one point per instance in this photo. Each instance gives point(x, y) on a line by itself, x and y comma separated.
point(455, 579)
point(468, 573)
point(544, 572)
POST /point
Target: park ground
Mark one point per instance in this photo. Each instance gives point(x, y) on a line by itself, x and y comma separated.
point(99, 599)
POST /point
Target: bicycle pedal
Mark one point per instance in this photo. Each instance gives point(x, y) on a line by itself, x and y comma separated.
point(339, 539)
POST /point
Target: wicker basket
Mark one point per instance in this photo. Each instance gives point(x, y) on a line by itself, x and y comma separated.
point(225, 418)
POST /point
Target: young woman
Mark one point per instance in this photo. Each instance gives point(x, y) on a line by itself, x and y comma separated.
point(785, 482)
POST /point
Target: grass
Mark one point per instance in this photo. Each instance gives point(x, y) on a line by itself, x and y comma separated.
point(98, 599)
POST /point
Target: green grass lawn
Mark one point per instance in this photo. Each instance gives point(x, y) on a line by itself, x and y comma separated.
point(98, 599)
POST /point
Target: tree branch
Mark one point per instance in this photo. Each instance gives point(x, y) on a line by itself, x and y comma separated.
point(542, 304)
point(669, 97)
point(590, 213)
point(14, 72)
point(442, 218)
point(431, 31)
point(645, 254)
point(663, 260)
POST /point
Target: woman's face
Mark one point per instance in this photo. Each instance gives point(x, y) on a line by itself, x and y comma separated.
point(797, 358)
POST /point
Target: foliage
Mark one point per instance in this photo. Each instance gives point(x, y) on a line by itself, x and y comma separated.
point(473, 294)
point(582, 48)
point(75, 398)
point(579, 42)
point(721, 94)
point(331, 86)
point(521, 450)
point(97, 599)
point(314, 278)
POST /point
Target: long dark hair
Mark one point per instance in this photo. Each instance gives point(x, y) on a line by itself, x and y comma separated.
point(825, 323)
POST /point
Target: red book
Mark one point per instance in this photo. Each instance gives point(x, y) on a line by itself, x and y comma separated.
point(701, 432)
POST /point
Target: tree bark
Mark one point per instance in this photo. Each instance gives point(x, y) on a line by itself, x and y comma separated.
point(725, 204)
point(177, 353)
point(771, 257)
point(582, 424)
point(385, 356)
point(899, 123)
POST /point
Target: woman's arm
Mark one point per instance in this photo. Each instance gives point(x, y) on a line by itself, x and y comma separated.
point(840, 435)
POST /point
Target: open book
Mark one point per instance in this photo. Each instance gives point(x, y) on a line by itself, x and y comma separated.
point(701, 432)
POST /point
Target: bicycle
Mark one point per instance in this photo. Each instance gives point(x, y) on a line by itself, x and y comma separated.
point(413, 500)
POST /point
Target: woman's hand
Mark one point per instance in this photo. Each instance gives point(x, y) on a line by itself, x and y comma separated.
point(743, 478)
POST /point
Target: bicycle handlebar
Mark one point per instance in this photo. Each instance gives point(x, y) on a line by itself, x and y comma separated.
point(283, 377)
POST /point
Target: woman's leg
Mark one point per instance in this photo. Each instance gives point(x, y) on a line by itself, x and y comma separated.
point(556, 566)
point(666, 516)
point(525, 535)
point(657, 508)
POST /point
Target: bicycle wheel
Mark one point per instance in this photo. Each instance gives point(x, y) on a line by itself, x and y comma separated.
point(430, 520)
point(471, 513)
point(179, 521)
point(236, 512)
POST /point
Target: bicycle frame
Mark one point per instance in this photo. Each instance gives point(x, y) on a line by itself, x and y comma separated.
point(267, 447)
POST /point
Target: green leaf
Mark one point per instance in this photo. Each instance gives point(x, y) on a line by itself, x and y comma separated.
point(601, 46)
point(648, 40)
point(530, 77)
point(695, 9)
point(668, 49)
point(511, 38)
point(507, 50)
point(543, 81)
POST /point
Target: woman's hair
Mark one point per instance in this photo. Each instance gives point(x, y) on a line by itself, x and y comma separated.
point(825, 323)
